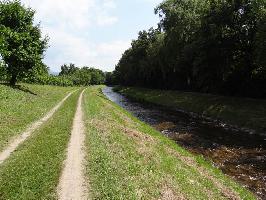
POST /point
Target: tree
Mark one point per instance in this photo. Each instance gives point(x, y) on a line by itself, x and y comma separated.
point(82, 76)
point(37, 74)
point(22, 46)
point(109, 78)
point(68, 69)
point(260, 54)
point(213, 46)
point(97, 76)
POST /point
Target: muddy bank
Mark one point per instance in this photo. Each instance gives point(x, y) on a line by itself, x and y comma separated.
point(238, 154)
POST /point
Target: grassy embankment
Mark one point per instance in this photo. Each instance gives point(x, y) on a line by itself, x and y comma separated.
point(243, 112)
point(20, 107)
point(127, 159)
point(33, 171)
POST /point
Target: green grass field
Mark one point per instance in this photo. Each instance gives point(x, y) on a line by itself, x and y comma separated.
point(243, 112)
point(125, 158)
point(20, 107)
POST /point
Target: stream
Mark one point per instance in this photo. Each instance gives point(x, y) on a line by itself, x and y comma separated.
point(238, 154)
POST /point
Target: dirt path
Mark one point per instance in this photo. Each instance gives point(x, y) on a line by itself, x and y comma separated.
point(13, 145)
point(72, 181)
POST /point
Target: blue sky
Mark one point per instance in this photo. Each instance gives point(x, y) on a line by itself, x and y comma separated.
point(91, 32)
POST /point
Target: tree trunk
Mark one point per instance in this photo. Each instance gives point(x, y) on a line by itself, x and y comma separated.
point(13, 80)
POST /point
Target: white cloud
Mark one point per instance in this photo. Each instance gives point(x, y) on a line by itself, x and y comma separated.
point(65, 13)
point(66, 22)
point(80, 51)
point(109, 4)
point(103, 19)
point(112, 51)
point(70, 14)
point(154, 1)
point(69, 24)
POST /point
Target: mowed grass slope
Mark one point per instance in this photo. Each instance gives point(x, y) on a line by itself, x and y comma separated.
point(127, 159)
point(244, 112)
point(22, 106)
point(33, 171)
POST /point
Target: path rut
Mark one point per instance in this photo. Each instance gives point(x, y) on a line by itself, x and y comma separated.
point(14, 144)
point(72, 181)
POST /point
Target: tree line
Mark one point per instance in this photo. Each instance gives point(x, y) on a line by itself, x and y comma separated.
point(82, 76)
point(213, 46)
point(70, 75)
point(22, 50)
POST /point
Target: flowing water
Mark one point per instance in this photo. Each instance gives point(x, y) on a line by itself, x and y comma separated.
point(238, 154)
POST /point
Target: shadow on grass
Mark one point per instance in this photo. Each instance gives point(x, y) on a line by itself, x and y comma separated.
point(19, 87)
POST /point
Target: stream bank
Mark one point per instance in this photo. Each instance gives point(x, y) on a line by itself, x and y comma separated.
point(243, 158)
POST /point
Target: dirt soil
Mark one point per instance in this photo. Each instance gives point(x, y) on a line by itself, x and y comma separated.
point(72, 182)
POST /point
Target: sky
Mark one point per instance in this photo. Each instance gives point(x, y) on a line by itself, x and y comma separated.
point(91, 33)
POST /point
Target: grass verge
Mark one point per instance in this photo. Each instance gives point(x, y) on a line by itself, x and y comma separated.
point(22, 105)
point(127, 159)
point(33, 171)
point(243, 112)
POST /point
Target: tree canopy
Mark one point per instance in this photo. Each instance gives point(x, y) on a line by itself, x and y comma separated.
point(215, 46)
point(22, 45)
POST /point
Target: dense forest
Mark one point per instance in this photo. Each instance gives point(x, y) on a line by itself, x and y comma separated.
point(213, 46)
point(22, 50)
